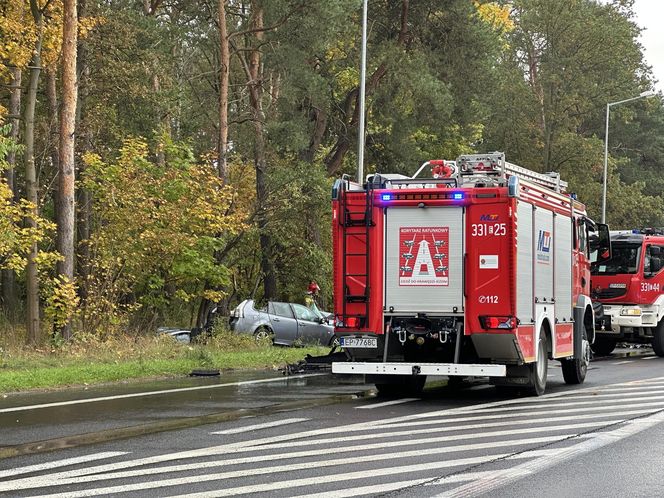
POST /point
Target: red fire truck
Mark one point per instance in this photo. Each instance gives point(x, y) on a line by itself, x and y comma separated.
point(482, 270)
point(630, 287)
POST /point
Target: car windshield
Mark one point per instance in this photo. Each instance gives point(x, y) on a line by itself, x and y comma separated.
point(625, 259)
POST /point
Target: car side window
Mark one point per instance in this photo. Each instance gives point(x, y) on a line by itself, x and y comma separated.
point(304, 313)
point(281, 309)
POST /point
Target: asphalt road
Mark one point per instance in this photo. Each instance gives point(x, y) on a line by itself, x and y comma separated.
point(319, 437)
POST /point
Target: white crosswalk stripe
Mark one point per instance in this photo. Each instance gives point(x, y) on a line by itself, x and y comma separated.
point(267, 425)
point(373, 406)
point(436, 452)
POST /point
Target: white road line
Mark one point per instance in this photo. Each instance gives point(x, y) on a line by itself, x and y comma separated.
point(544, 424)
point(267, 425)
point(593, 401)
point(386, 403)
point(440, 439)
point(462, 411)
point(261, 470)
point(649, 357)
point(518, 401)
point(621, 362)
point(60, 463)
point(273, 486)
point(101, 473)
point(629, 389)
point(502, 478)
point(152, 393)
point(643, 408)
point(387, 487)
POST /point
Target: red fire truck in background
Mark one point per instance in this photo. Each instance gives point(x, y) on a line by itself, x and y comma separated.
point(483, 270)
point(630, 287)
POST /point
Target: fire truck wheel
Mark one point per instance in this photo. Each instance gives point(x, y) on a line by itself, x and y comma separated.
point(574, 369)
point(401, 386)
point(658, 338)
point(538, 370)
point(604, 346)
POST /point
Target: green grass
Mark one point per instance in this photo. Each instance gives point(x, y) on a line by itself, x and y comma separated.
point(86, 361)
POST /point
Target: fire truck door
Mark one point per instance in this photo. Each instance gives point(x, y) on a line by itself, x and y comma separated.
point(424, 259)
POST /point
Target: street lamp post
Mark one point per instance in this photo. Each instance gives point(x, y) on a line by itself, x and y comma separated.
point(606, 145)
point(363, 73)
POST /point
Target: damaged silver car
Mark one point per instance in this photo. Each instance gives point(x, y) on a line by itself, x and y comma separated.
point(285, 324)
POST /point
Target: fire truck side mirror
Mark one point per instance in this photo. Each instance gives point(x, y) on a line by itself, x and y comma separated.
point(604, 250)
point(601, 245)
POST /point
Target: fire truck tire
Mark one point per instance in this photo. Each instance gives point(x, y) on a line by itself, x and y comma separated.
point(538, 369)
point(604, 346)
point(401, 386)
point(575, 369)
point(658, 339)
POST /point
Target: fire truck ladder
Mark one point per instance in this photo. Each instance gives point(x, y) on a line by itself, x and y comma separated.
point(494, 165)
point(357, 224)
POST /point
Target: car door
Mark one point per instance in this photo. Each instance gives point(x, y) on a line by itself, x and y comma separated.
point(283, 323)
point(309, 328)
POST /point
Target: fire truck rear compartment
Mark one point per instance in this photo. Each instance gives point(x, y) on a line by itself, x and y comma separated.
point(423, 260)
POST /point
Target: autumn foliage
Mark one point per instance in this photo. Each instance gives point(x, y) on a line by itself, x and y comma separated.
point(156, 231)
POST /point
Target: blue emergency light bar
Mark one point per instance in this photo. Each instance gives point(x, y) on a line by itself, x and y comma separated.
point(457, 196)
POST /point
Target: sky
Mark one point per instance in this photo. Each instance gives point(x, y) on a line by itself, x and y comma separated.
point(649, 15)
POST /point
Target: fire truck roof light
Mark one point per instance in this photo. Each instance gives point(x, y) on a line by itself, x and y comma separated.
point(457, 196)
point(386, 197)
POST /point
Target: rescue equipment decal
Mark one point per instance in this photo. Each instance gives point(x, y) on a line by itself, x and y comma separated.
point(544, 247)
point(424, 256)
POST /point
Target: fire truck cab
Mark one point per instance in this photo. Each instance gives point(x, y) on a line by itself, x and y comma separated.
point(630, 287)
point(482, 270)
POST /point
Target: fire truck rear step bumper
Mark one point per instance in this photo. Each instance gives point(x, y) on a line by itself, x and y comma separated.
point(462, 369)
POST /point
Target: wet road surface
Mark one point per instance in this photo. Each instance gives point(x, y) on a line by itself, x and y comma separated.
point(451, 442)
point(36, 417)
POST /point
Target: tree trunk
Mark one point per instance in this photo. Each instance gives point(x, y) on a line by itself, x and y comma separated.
point(9, 300)
point(32, 188)
point(53, 128)
point(260, 160)
point(224, 73)
point(83, 195)
point(66, 213)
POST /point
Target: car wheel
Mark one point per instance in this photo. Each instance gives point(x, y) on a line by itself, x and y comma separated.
point(264, 335)
point(334, 342)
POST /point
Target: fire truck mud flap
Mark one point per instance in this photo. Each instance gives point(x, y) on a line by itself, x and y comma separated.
point(449, 369)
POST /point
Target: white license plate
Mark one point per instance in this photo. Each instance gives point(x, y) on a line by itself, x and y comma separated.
point(359, 342)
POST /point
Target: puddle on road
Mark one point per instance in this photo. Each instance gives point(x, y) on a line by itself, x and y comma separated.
point(172, 424)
